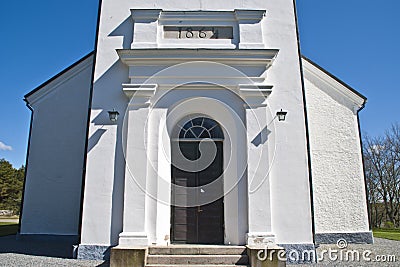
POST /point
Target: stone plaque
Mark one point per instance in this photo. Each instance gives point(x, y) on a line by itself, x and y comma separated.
point(198, 32)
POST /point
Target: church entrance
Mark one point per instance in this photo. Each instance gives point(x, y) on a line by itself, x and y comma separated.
point(197, 183)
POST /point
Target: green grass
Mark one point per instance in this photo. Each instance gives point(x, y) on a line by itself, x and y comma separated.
point(392, 234)
point(8, 228)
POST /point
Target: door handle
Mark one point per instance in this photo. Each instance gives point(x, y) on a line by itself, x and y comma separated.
point(199, 209)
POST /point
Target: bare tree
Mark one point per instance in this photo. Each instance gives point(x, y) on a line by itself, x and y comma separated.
point(382, 169)
point(393, 144)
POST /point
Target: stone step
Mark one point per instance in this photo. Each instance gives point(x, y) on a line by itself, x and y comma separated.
point(197, 250)
point(198, 259)
point(197, 265)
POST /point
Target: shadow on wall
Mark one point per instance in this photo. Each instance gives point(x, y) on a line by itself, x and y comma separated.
point(124, 30)
point(108, 95)
point(95, 138)
point(261, 137)
point(117, 209)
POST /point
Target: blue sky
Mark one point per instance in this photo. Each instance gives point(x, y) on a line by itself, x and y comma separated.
point(358, 41)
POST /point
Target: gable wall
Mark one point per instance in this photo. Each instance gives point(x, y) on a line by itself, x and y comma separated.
point(338, 179)
point(56, 154)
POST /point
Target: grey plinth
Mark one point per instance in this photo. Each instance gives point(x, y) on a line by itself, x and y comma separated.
point(124, 257)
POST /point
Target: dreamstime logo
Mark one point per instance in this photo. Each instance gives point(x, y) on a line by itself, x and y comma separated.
point(153, 121)
point(341, 254)
point(341, 244)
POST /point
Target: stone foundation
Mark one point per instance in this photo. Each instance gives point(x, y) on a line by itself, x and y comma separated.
point(266, 256)
point(124, 257)
point(351, 238)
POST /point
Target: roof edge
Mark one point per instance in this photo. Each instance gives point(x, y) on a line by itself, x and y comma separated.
point(57, 75)
point(335, 78)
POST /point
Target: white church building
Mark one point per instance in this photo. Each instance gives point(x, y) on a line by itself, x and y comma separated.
point(195, 122)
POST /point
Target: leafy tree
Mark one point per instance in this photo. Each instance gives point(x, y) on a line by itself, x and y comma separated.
point(11, 184)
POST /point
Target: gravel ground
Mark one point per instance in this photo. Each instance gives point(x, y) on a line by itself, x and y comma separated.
point(13, 259)
point(15, 253)
point(39, 253)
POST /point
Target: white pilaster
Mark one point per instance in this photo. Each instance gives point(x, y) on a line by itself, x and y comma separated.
point(250, 29)
point(136, 180)
point(145, 32)
point(259, 195)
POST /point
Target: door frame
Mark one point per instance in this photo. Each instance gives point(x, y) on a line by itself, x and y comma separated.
point(172, 210)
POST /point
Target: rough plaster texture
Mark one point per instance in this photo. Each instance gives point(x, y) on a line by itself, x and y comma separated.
point(56, 154)
point(338, 179)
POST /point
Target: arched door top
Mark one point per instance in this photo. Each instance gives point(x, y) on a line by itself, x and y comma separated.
point(199, 127)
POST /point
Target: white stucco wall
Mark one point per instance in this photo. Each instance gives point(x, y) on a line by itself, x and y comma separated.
point(52, 195)
point(290, 194)
point(337, 172)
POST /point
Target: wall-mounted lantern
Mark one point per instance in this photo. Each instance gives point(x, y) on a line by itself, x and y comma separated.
point(113, 115)
point(281, 115)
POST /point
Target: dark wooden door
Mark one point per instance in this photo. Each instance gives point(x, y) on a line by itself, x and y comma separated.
point(200, 224)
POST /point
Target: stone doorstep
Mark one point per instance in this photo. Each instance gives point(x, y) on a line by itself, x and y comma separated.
point(198, 259)
point(200, 256)
point(197, 265)
point(197, 250)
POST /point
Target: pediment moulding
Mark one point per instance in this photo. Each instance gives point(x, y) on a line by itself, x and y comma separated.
point(254, 90)
point(139, 90)
point(169, 15)
point(156, 28)
point(206, 66)
point(253, 95)
point(139, 94)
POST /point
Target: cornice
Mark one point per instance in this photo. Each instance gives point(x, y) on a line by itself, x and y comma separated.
point(197, 16)
point(54, 84)
point(245, 14)
point(139, 90)
point(235, 15)
point(142, 14)
point(254, 95)
point(316, 73)
point(162, 57)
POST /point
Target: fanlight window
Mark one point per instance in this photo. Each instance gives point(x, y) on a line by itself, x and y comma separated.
point(199, 128)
